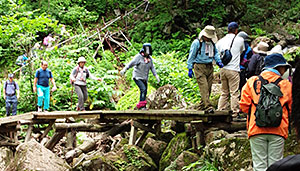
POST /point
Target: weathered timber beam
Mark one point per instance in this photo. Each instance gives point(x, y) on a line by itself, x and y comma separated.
point(29, 132)
point(49, 127)
point(55, 139)
point(4, 143)
point(229, 127)
point(141, 138)
point(16, 118)
point(143, 127)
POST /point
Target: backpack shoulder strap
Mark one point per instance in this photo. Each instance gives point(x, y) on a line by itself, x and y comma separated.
point(277, 81)
point(232, 42)
point(76, 71)
point(199, 50)
point(256, 86)
point(6, 84)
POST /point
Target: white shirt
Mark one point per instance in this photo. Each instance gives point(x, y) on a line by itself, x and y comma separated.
point(236, 50)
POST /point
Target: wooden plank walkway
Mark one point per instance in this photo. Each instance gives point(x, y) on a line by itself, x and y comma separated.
point(178, 115)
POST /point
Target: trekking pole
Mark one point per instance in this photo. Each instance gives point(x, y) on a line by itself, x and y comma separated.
point(72, 94)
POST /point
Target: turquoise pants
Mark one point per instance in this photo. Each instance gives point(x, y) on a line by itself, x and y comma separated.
point(43, 95)
point(266, 149)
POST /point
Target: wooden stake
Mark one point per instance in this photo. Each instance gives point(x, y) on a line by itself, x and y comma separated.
point(55, 139)
point(47, 129)
point(133, 132)
point(29, 132)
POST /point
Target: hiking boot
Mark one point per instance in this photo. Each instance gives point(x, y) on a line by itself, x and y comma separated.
point(40, 109)
point(143, 108)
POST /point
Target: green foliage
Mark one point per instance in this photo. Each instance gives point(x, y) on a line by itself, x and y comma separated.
point(131, 98)
point(133, 159)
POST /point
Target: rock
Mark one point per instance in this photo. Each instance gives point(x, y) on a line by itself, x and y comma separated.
point(176, 146)
point(166, 97)
point(184, 159)
point(230, 154)
point(6, 154)
point(239, 134)
point(215, 135)
point(33, 156)
point(264, 39)
point(154, 149)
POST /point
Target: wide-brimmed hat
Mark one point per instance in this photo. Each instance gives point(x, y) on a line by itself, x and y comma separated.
point(261, 47)
point(275, 60)
point(275, 49)
point(244, 35)
point(10, 75)
point(81, 59)
point(209, 32)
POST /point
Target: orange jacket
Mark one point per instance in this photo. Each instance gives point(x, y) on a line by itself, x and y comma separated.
point(248, 95)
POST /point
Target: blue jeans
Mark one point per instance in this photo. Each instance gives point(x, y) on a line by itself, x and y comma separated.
point(142, 84)
point(11, 102)
point(43, 95)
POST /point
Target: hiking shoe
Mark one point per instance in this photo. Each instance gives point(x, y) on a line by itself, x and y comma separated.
point(143, 108)
point(40, 109)
point(46, 111)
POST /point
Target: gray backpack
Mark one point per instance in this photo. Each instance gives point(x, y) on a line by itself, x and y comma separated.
point(268, 109)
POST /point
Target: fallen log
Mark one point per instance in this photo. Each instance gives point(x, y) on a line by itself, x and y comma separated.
point(86, 127)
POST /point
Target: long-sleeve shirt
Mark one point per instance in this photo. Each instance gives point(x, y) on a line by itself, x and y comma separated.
point(201, 58)
point(140, 67)
point(81, 75)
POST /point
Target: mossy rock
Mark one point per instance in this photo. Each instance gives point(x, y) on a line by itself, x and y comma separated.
point(95, 162)
point(230, 154)
point(184, 159)
point(176, 146)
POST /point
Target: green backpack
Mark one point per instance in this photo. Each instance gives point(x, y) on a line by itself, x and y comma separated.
point(268, 109)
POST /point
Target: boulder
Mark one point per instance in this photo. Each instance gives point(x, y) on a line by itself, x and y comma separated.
point(176, 146)
point(263, 39)
point(34, 156)
point(154, 149)
point(215, 135)
point(166, 97)
point(184, 159)
point(230, 154)
point(6, 154)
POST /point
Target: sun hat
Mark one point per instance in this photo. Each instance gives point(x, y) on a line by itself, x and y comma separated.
point(261, 47)
point(10, 75)
point(244, 35)
point(81, 59)
point(275, 60)
point(275, 49)
point(233, 25)
point(209, 32)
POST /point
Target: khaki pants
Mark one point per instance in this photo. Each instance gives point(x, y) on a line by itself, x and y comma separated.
point(266, 150)
point(204, 77)
point(230, 81)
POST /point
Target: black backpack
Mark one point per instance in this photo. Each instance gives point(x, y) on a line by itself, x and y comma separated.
point(268, 109)
point(288, 163)
point(259, 65)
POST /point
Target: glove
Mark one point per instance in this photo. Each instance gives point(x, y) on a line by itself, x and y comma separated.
point(157, 78)
point(220, 64)
point(191, 73)
point(122, 72)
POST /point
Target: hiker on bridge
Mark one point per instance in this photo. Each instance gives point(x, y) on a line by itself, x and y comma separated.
point(78, 77)
point(142, 63)
point(11, 93)
point(42, 87)
point(202, 53)
point(230, 77)
point(267, 94)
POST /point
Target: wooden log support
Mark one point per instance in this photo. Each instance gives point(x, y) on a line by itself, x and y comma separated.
point(133, 132)
point(141, 138)
point(200, 136)
point(29, 132)
point(47, 130)
point(143, 127)
point(55, 139)
point(5, 143)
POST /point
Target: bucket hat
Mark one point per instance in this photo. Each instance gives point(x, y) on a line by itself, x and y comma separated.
point(261, 47)
point(81, 59)
point(275, 49)
point(10, 75)
point(244, 35)
point(275, 60)
point(209, 32)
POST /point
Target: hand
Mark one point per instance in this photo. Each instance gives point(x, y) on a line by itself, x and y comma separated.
point(53, 88)
point(18, 96)
point(34, 89)
point(191, 73)
point(73, 80)
point(220, 64)
point(4, 97)
point(122, 72)
point(157, 78)
point(99, 79)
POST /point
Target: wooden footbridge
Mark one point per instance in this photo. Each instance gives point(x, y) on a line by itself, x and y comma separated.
point(147, 120)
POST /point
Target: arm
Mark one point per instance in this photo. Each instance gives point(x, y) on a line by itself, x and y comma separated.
point(92, 76)
point(246, 98)
point(17, 91)
point(251, 65)
point(72, 75)
point(132, 63)
point(34, 84)
point(4, 94)
point(53, 83)
point(193, 54)
point(154, 71)
point(217, 55)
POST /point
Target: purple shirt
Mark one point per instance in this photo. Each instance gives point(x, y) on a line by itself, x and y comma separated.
point(10, 87)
